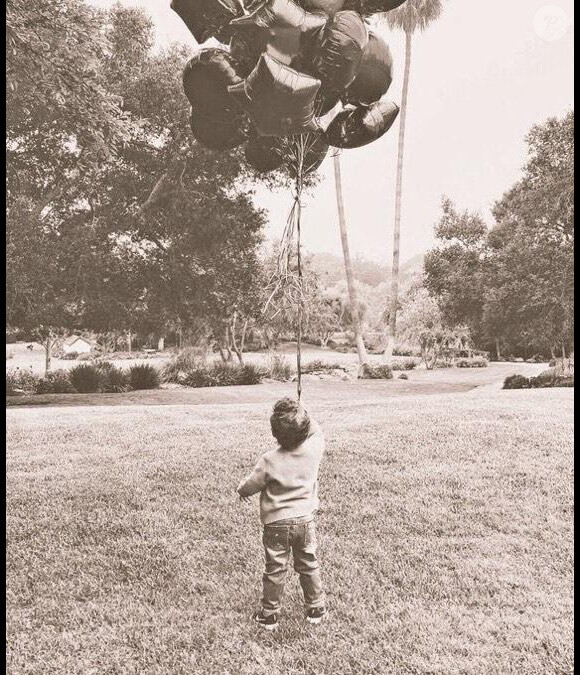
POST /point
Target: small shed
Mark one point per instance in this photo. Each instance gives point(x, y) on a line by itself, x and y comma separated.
point(77, 344)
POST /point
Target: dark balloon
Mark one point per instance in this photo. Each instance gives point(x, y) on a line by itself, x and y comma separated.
point(279, 27)
point(246, 53)
point(207, 18)
point(375, 74)
point(355, 127)
point(329, 7)
point(370, 7)
point(215, 133)
point(206, 79)
point(215, 120)
point(279, 99)
point(264, 153)
point(338, 54)
point(315, 154)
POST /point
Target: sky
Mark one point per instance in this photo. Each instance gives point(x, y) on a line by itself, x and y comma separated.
point(481, 76)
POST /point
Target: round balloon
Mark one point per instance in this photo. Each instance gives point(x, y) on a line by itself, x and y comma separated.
point(338, 53)
point(315, 153)
point(375, 74)
point(264, 153)
point(215, 133)
point(358, 126)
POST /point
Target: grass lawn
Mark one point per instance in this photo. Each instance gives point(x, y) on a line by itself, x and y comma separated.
point(445, 538)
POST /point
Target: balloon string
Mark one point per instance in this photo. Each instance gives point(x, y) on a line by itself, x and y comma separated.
point(298, 212)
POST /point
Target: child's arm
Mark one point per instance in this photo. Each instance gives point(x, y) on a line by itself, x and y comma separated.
point(255, 482)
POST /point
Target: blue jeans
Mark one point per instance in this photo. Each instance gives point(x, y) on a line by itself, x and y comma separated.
point(296, 535)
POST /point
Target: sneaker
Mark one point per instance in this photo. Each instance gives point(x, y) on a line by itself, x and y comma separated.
point(315, 614)
point(268, 622)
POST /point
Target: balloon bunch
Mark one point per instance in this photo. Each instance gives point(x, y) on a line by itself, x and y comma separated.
point(287, 69)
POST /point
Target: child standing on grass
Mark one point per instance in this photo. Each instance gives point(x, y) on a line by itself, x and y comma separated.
point(287, 480)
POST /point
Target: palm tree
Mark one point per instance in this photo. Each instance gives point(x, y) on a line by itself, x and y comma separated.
point(412, 16)
point(360, 347)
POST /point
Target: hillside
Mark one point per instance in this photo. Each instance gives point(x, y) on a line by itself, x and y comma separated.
point(331, 268)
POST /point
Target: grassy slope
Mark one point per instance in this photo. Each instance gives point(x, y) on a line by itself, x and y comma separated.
point(445, 539)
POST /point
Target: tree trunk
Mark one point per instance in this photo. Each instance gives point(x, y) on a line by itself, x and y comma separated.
point(394, 299)
point(161, 344)
point(497, 350)
point(360, 347)
point(48, 353)
point(129, 339)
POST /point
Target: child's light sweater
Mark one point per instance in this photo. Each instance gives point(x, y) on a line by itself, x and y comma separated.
point(287, 479)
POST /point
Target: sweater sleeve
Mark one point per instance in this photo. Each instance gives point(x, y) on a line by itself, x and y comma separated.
point(256, 481)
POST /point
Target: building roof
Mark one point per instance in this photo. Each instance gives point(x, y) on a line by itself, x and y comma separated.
point(75, 338)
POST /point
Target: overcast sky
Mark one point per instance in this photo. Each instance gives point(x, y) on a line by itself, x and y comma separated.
point(480, 77)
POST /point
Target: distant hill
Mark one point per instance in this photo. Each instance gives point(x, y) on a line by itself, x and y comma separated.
point(331, 268)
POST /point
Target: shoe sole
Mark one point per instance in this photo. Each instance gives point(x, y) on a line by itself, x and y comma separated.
point(314, 621)
point(267, 626)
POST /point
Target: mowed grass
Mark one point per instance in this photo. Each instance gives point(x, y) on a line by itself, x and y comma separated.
point(445, 539)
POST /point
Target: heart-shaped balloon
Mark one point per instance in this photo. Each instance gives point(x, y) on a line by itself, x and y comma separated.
point(358, 126)
point(206, 79)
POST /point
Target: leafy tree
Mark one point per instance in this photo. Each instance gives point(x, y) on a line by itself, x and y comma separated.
point(155, 233)
point(530, 273)
point(453, 270)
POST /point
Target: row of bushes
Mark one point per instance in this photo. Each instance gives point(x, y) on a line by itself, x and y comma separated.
point(104, 377)
point(473, 362)
point(544, 380)
point(83, 379)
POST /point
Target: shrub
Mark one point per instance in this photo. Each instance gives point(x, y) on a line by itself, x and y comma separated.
point(318, 365)
point(9, 355)
point(251, 374)
point(223, 375)
point(85, 357)
point(516, 382)
point(85, 378)
point(473, 362)
point(57, 382)
point(551, 379)
point(406, 364)
point(182, 363)
point(144, 377)
point(279, 368)
point(380, 372)
point(20, 382)
point(71, 356)
point(113, 380)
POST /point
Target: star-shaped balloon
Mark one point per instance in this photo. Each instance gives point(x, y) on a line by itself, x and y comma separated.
point(280, 100)
point(280, 27)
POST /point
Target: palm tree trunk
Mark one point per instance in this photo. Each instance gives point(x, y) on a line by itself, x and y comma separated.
point(394, 299)
point(360, 347)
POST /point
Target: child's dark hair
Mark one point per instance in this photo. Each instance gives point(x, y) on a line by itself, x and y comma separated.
point(290, 423)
